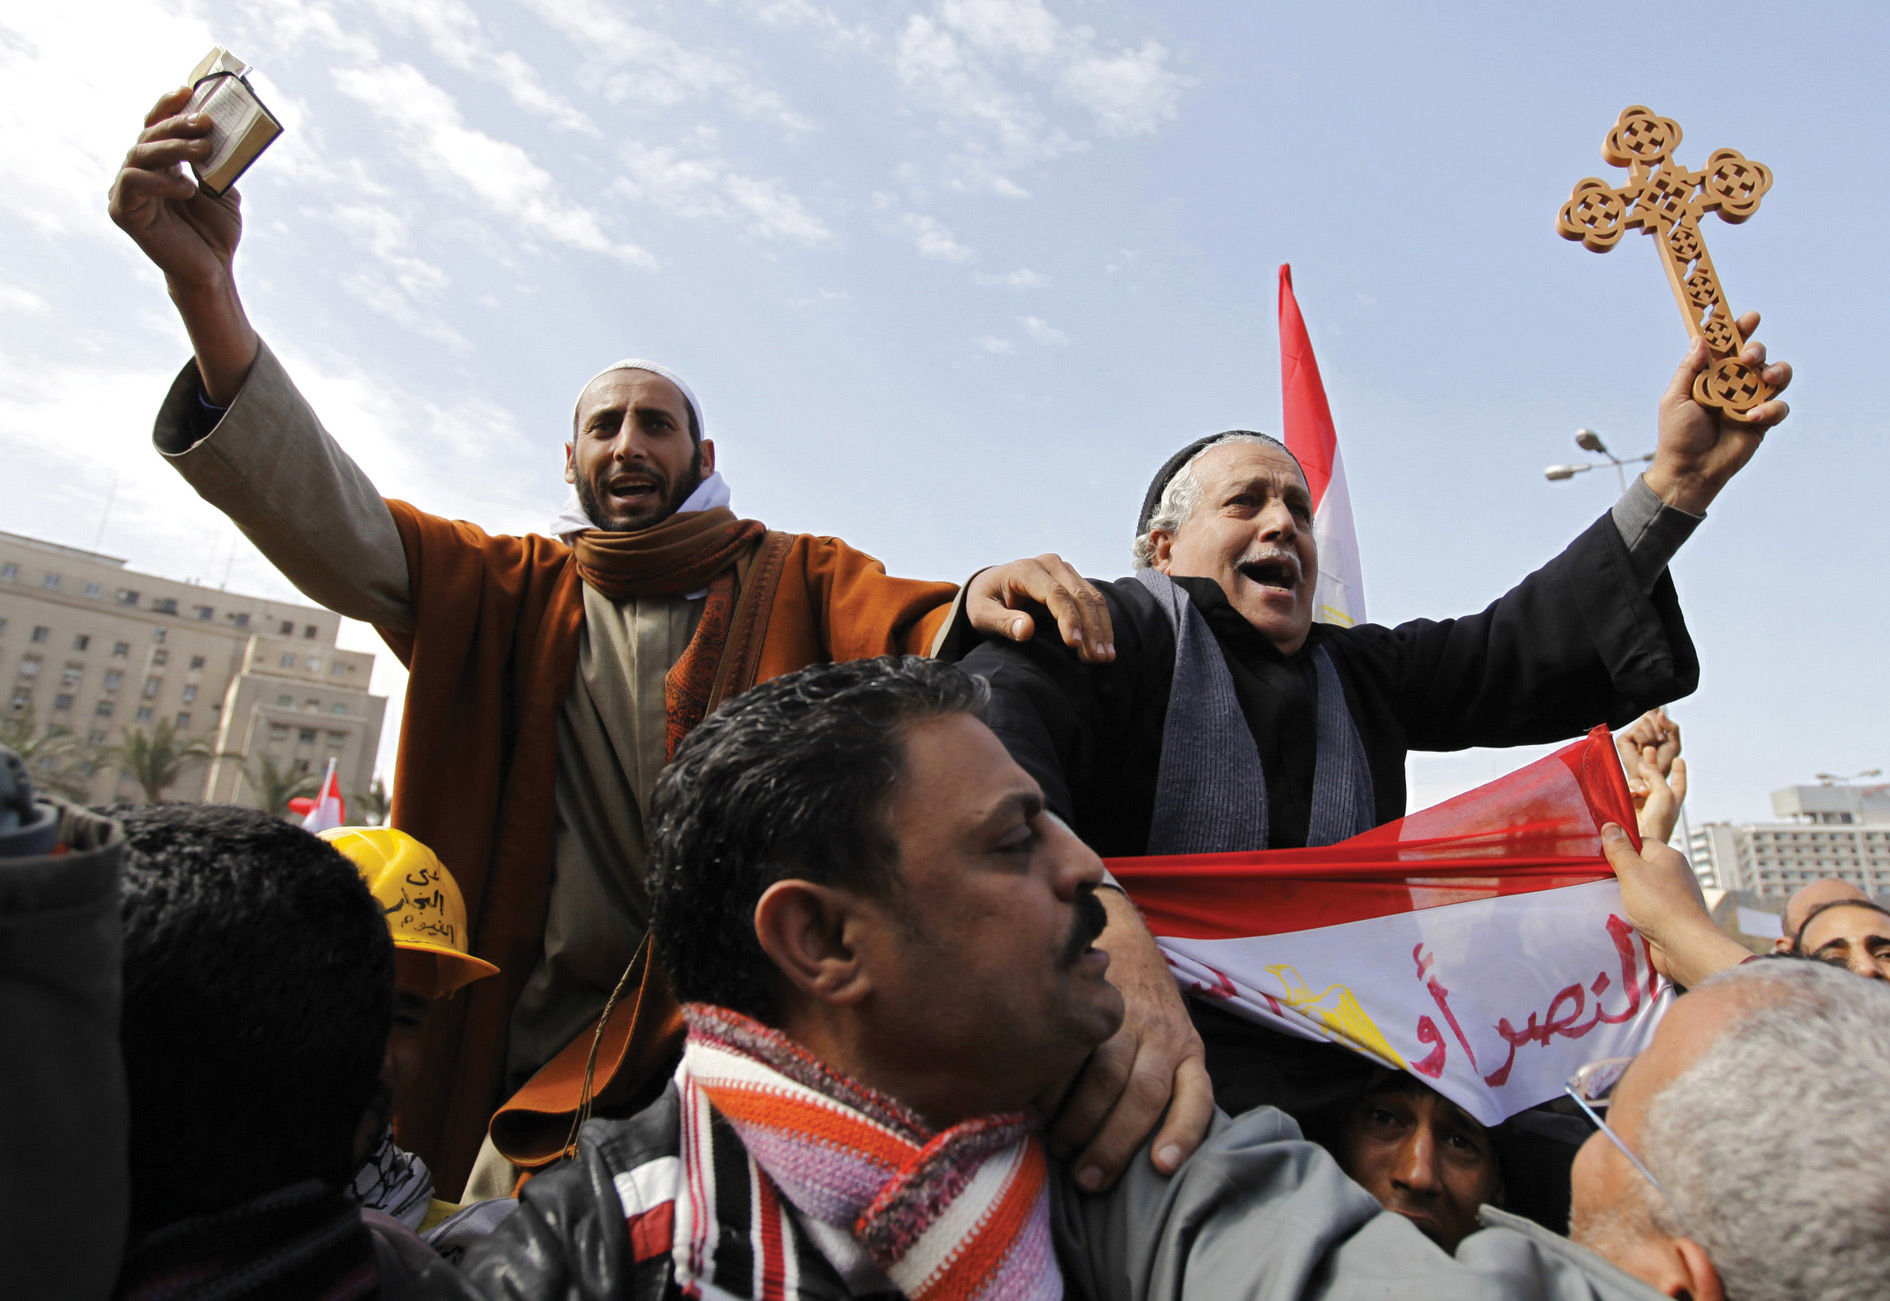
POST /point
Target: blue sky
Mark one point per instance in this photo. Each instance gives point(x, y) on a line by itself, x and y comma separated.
point(952, 278)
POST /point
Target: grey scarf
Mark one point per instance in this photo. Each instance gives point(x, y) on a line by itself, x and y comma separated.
point(1211, 794)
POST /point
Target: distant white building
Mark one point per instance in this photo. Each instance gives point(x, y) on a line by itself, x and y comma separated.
point(92, 646)
point(1831, 830)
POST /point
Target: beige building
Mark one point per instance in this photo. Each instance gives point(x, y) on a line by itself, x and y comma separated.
point(97, 648)
point(1833, 829)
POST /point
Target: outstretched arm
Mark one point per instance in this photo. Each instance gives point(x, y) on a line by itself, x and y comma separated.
point(191, 236)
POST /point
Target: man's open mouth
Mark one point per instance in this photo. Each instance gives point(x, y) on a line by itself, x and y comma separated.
point(1275, 571)
point(633, 489)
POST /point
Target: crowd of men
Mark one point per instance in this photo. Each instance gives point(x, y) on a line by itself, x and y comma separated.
point(745, 932)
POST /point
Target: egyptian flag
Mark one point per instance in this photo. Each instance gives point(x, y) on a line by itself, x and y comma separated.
point(325, 811)
point(1310, 435)
point(1480, 944)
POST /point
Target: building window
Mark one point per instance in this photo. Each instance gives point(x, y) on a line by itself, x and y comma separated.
point(157, 634)
point(144, 714)
point(288, 661)
point(103, 709)
point(29, 668)
point(127, 597)
point(309, 632)
point(337, 738)
point(21, 698)
point(205, 613)
point(301, 765)
point(196, 661)
point(164, 604)
point(190, 694)
point(112, 678)
point(160, 657)
point(305, 736)
point(286, 630)
point(152, 686)
point(61, 703)
point(240, 620)
point(121, 649)
point(82, 642)
point(72, 674)
point(314, 664)
point(9, 572)
point(312, 706)
point(52, 580)
point(278, 732)
point(92, 590)
point(95, 737)
point(337, 709)
point(41, 633)
point(183, 719)
point(285, 702)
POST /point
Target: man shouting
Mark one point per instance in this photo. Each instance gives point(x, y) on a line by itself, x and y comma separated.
point(550, 680)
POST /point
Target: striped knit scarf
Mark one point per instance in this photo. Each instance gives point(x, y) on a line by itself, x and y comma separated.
point(962, 1214)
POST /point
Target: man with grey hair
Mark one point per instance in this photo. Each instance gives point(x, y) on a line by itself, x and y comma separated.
point(1743, 1072)
point(1228, 720)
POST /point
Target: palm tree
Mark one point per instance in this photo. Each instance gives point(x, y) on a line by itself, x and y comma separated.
point(55, 757)
point(373, 803)
point(273, 787)
point(154, 759)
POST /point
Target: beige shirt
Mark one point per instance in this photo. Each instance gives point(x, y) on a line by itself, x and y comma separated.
point(286, 483)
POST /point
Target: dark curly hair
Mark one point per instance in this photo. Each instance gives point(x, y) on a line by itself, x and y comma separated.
point(789, 779)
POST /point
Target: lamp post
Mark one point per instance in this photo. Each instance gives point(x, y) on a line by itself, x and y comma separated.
point(1590, 441)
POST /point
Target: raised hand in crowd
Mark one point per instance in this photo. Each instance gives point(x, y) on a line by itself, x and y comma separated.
point(1656, 774)
point(1663, 902)
point(191, 236)
point(1700, 449)
point(995, 599)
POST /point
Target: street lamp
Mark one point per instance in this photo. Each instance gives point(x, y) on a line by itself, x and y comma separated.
point(1590, 441)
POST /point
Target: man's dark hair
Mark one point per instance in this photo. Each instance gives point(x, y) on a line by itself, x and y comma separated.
point(787, 780)
point(1798, 945)
point(258, 979)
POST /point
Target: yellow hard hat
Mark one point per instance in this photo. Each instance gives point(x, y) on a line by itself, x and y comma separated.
point(424, 909)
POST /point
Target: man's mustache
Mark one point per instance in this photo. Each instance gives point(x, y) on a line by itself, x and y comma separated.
point(1091, 920)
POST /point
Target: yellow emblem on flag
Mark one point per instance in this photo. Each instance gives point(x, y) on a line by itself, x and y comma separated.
point(1340, 1012)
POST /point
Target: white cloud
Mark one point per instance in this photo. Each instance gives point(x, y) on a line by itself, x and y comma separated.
point(427, 122)
point(21, 301)
point(1042, 331)
point(927, 233)
point(632, 64)
point(706, 187)
point(1131, 93)
point(456, 35)
point(994, 345)
point(1022, 278)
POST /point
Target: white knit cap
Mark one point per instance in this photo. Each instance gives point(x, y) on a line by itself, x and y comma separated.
point(709, 494)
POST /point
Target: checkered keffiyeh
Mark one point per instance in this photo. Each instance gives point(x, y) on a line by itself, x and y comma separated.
point(959, 1214)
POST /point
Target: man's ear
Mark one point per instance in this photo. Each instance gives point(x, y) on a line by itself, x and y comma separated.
point(707, 446)
point(1161, 545)
point(1782, 944)
point(803, 928)
point(570, 463)
point(1702, 1280)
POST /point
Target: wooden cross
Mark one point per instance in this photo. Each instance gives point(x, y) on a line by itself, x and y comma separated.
point(1665, 200)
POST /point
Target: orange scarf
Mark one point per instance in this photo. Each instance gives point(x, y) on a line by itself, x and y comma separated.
point(678, 556)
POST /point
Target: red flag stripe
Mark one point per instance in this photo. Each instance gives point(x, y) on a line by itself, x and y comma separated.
point(1310, 433)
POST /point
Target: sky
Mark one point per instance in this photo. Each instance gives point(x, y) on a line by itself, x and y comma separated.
point(953, 278)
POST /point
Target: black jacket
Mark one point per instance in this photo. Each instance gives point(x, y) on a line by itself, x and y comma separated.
point(1574, 644)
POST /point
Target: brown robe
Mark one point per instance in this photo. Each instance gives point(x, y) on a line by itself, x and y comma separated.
point(490, 658)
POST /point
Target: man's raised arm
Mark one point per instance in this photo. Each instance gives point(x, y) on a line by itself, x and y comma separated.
point(233, 424)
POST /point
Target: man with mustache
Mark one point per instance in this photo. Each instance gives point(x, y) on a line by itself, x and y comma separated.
point(550, 680)
point(1229, 720)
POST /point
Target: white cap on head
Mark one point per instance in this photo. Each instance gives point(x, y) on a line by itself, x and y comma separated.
point(709, 494)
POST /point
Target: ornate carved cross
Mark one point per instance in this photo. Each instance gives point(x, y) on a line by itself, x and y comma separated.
point(1666, 201)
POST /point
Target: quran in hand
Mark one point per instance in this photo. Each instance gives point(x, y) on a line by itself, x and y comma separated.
point(241, 128)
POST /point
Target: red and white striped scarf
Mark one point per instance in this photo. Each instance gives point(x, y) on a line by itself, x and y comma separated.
point(959, 1214)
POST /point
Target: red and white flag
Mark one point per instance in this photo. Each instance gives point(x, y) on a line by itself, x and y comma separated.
point(1310, 435)
point(327, 812)
point(1480, 944)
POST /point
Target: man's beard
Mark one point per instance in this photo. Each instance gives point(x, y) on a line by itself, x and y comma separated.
point(1091, 921)
point(690, 480)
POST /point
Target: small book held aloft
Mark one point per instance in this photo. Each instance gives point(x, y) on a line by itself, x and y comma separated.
point(240, 126)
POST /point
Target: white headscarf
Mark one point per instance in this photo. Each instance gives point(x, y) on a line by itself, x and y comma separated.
point(710, 493)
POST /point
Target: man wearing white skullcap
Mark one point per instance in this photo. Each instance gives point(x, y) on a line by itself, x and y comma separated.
point(550, 677)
